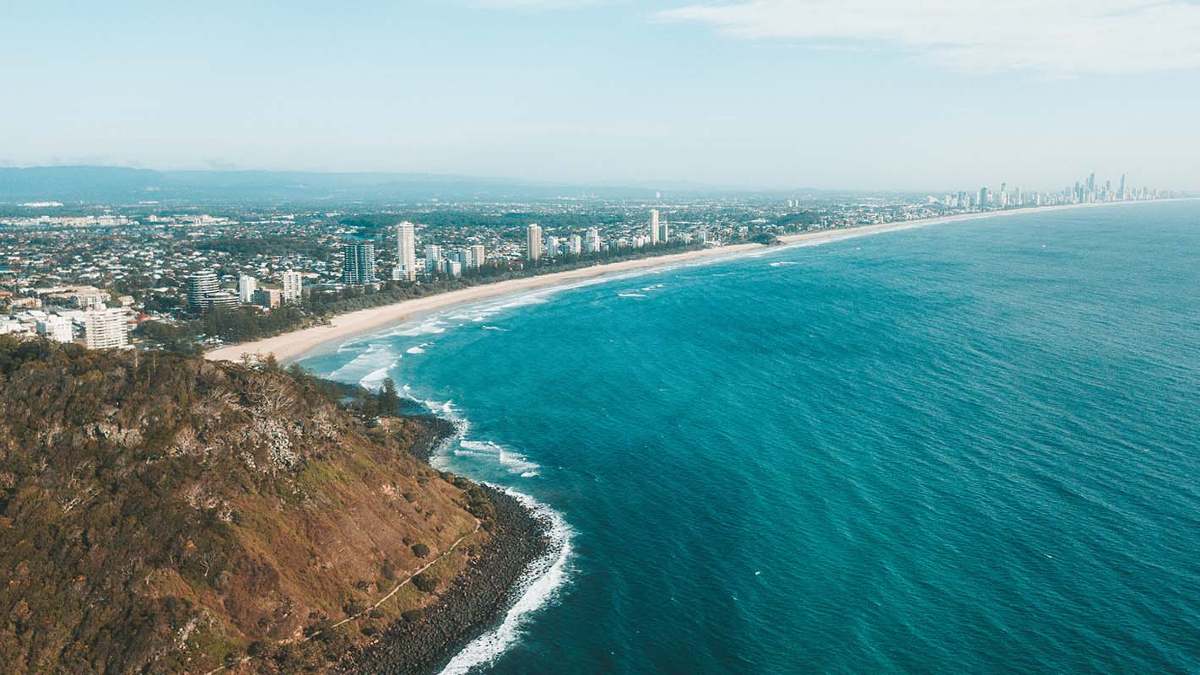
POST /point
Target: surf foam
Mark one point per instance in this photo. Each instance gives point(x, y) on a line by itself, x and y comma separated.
point(539, 585)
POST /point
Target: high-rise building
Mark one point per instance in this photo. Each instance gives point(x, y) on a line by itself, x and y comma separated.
point(984, 198)
point(406, 250)
point(269, 298)
point(221, 299)
point(533, 242)
point(551, 246)
point(653, 226)
point(575, 244)
point(293, 286)
point(246, 287)
point(199, 286)
point(478, 256)
point(105, 329)
point(433, 252)
point(1121, 189)
point(358, 264)
point(592, 244)
point(56, 328)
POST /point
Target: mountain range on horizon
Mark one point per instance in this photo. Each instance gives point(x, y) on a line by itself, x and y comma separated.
point(76, 184)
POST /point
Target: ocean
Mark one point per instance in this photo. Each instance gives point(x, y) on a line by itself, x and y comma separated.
point(964, 448)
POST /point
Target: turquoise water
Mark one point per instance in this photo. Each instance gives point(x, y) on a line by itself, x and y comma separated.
point(968, 448)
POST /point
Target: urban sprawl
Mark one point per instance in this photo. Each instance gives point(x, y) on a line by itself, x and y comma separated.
point(151, 275)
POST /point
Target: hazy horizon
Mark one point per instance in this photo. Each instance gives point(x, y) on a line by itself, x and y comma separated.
point(762, 95)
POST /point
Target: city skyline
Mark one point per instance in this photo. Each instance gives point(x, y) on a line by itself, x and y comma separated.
point(763, 95)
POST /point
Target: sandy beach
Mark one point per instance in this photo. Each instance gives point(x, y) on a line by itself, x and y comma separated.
point(291, 346)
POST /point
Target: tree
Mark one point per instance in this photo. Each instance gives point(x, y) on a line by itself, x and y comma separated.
point(389, 400)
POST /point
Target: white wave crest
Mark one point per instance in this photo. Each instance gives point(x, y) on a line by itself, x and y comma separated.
point(374, 357)
point(419, 349)
point(374, 380)
point(430, 327)
point(514, 462)
point(631, 295)
point(540, 584)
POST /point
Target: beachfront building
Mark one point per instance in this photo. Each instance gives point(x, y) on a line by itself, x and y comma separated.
point(592, 242)
point(653, 227)
point(268, 298)
point(575, 244)
point(477, 256)
point(106, 329)
point(56, 328)
point(246, 287)
point(406, 251)
point(551, 246)
point(358, 264)
point(293, 286)
point(199, 286)
point(533, 242)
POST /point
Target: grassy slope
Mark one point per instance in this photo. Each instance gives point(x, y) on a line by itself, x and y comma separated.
point(165, 513)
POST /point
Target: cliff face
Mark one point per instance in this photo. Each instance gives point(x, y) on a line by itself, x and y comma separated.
point(164, 514)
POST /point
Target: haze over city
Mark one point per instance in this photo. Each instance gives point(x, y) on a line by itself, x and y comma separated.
point(763, 95)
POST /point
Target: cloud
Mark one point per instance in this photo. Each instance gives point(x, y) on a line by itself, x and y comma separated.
point(1057, 37)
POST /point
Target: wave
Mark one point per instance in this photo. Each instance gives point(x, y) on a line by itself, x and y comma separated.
point(419, 349)
point(783, 263)
point(514, 462)
point(539, 584)
point(631, 295)
point(374, 380)
point(374, 357)
point(434, 326)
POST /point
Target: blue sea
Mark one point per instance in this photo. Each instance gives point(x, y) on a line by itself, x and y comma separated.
point(964, 448)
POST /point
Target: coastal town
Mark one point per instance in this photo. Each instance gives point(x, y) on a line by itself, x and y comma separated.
point(190, 277)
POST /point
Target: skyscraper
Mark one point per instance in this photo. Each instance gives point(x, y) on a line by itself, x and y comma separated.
point(575, 244)
point(533, 242)
point(653, 226)
point(478, 256)
point(983, 197)
point(593, 240)
point(199, 286)
point(293, 286)
point(246, 287)
point(105, 329)
point(358, 264)
point(406, 250)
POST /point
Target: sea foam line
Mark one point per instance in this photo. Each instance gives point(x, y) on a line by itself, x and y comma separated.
point(538, 585)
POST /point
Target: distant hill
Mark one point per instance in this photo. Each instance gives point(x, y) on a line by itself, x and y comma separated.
point(117, 185)
point(168, 514)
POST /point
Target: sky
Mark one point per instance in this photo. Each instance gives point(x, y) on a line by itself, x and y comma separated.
point(773, 94)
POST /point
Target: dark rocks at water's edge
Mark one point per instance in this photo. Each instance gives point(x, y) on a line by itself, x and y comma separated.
point(472, 604)
point(435, 432)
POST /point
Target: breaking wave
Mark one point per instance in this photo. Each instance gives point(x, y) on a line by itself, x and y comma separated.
point(538, 586)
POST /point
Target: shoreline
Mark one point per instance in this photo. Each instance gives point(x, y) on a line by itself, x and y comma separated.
point(474, 602)
point(520, 546)
point(297, 344)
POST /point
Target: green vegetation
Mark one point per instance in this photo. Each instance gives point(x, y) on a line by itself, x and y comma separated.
point(246, 324)
point(160, 513)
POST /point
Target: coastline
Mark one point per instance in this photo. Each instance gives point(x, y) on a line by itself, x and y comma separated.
point(474, 603)
point(296, 344)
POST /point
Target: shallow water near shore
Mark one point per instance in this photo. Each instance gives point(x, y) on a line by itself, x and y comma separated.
point(961, 448)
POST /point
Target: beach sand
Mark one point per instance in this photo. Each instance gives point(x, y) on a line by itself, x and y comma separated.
point(294, 345)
